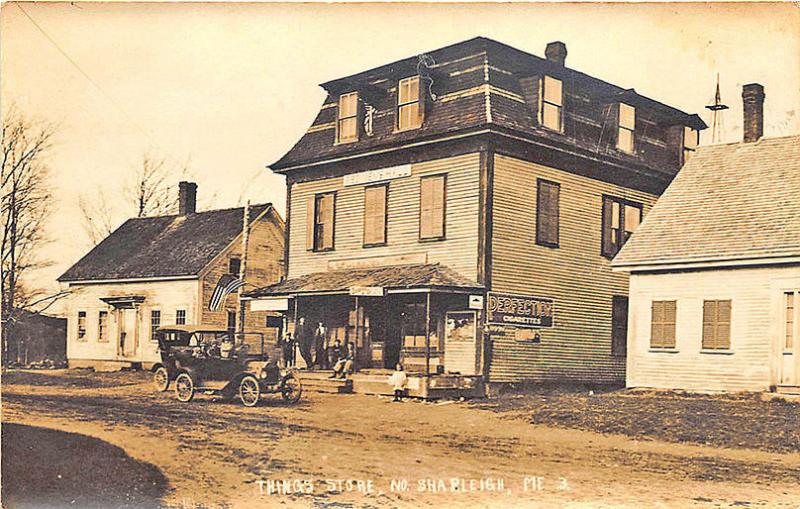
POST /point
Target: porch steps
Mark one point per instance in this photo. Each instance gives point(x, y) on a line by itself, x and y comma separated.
point(320, 381)
point(788, 389)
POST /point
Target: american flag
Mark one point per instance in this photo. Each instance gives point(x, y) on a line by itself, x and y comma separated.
point(227, 284)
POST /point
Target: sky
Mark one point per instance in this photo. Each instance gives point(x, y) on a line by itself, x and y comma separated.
point(231, 87)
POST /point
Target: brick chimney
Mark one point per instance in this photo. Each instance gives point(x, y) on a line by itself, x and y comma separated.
point(753, 101)
point(187, 198)
point(556, 52)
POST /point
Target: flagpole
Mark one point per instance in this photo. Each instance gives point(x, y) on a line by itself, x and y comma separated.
point(243, 265)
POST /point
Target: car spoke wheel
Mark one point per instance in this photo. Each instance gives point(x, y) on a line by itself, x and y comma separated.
point(161, 379)
point(184, 388)
point(249, 391)
point(291, 388)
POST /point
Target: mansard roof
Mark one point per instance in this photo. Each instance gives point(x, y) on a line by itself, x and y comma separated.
point(478, 85)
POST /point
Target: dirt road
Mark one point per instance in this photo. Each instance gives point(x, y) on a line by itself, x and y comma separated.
point(346, 450)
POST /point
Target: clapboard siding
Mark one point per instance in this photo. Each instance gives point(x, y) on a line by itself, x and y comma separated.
point(755, 329)
point(459, 250)
point(575, 275)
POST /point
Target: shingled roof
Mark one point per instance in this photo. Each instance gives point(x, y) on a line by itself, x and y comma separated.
point(431, 275)
point(479, 83)
point(734, 202)
point(162, 246)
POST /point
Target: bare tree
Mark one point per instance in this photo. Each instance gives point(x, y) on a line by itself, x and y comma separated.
point(25, 205)
point(97, 216)
point(150, 192)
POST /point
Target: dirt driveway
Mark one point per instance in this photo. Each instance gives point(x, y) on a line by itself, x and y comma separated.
point(364, 451)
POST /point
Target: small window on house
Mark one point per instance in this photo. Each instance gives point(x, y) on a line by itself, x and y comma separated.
point(180, 317)
point(375, 215)
point(409, 113)
point(82, 325)
point(231, 323)
point(432, 207)
point(155, 323)
point(619, 325)
point(102, 326)
point(716, 324)
point(626, 128)
point(620, 219)
point(691, 139)
point(234, 266)
point(550, 112)
point(347, 122)
point(790, 299)
point(547, 197)
point(662, 324)
point(322, 217)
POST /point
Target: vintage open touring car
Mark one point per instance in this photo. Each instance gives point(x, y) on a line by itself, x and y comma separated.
point(211, 361)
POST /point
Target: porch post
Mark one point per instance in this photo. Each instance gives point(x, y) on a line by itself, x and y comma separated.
point(295, 340)
point(355, 344)
point(428, 334)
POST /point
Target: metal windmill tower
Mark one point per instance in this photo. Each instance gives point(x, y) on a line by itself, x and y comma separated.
point(716, 116)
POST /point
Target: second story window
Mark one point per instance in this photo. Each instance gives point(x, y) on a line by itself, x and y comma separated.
point(552, 100)
point(320, 222)
point(180, 317)
point(234, 265)
point(375, 215)
point(620, 219)
point(409, 113)
point(432, 207)
point(347, 122)
point(547, 195)
point(690, 141)
point(626, 128)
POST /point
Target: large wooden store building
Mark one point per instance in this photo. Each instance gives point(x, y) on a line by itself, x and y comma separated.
point(457, 212)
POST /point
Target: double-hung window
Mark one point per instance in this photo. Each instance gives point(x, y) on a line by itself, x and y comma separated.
point(347, 121)
point(155, 323)
point(102, 326)
point(551, 104)
point(375, 215)
point(620, 219)
point(81, 325)
point(619, 325)
point(234, 266)
point(320, 222)
point(432, 207)
point(409, 112)
point(547, 198)
point(180, 317)
point(626, 127)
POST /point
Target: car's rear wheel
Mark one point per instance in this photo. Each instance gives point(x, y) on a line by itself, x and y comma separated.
point(161, 379)
point(291, 388)
point(184, 388)
point(249, 390)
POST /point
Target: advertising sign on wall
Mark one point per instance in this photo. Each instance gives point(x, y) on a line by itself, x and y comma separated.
point(519, 310)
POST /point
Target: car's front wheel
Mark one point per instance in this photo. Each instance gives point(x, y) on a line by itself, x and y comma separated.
point(184, 388)
point(291, 388)
point(249, 390)
point(161, 379)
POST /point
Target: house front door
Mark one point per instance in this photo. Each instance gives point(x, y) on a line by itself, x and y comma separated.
point(127, 332)
point(790, 339)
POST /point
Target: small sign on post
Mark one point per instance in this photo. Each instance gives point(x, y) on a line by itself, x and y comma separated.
point(476, 302)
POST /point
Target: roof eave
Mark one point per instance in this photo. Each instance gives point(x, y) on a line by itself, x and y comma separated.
point(704, 263)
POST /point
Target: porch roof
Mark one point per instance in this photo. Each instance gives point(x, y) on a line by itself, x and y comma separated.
point(396, 277)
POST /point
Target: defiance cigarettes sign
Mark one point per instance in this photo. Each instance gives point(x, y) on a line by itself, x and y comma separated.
point(519, 310)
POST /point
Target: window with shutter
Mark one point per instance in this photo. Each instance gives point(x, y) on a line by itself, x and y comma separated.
point(375, 215)
point(789, 298)
point(432, 207)
point(716, 324)
point(662, 324)
point(620, 219)
point(619, 325)
point(547, 210)
point(322, 228)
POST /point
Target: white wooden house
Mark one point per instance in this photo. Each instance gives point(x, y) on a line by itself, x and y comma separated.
point(162, 270)
point(715, 270)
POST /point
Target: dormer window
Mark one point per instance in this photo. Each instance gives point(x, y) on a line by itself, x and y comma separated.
point(409, 113)
point(691, 138)
point(551, 104)
point(626, 128)
point(347, 122)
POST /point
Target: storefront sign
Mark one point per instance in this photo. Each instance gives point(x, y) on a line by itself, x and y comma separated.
point(379, 175)
point(519, 310)
point(367, 291)
point(280, 304)
point(476, 301)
